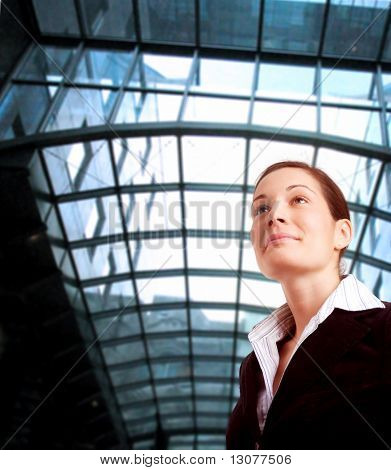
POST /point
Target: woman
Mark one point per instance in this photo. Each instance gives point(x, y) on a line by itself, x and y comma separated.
point(319, 375)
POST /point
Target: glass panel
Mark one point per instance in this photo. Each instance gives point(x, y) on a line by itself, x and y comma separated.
point(103, 67)
point(272, 81)
point(221, 390)
point(243, 347)
point(102, 260)
point(212, 289)
point(82, 108)
point(223, 76)
point(119, 326)
point(123, 352)
point(23, 108)
point(383, 197)
point(377, 280)
point(377, 238)
point(348, 86)
point(247, 320)
point(172, 370)
point(387, 47)
point(210, 319)
point(152, 211)
point(47, 63)
point(161, 289)
point(152, 253)
point(352, 123)
point(357, 219)
point(265, 152)
point(178, 346)
point(79, 167)
point(161, 71)
point(216, 110)
point(172, 21)
point(146, 160)
point(181, 388)
point(213, 159)
point(177, 423)
point(157, 321)
point(355, 175)
point(213, 253)
point(267, 294)
point(208, 346)
point(183, 406)
point(140, 429)
point(249, 261)
point(137, 107)
point(109, 19)
point(292, 26)
point(229, 22)
point(135, 413)
point(289, 116)
point(209, 406)
point(117, 295)
point(213, 210)
point(91, 217)
point(56, 17)
point(386, 82)
point(129, 375)
point(355, 30)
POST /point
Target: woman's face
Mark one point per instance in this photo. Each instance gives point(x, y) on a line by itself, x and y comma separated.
point(301, 212)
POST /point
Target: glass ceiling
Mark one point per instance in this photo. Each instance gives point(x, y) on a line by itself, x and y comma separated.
point(144, 166)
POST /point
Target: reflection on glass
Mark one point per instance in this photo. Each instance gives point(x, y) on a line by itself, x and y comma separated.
point(223, 76)
point(146, 107)
point(23, 108)
point(109, 19)
point(229, 22)
point(117, 326)
point(355, 29)
point(209, 319)
point(116, 295)
point(47, 63)
point(103, 67)
point(386, 82)
point(352, 123)
point(172, 21)
point(151, 253)
point(292, 26)
point(273, 82)
point(377, 239)
point(222, 347)
point(216, 109)
point(161, 289)
point(146, 160)
point(213, 159)
point(88, 218)
point(348, 86)
point(123, 352)
point(79, 167)
point(290, 116)
point(178, 346)
point(157, 321)
point(57, 17)
point(82, 108)
point(214, 210)
point(161, 71)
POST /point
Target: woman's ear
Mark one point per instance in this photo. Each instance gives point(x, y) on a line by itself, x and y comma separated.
point(344, 233)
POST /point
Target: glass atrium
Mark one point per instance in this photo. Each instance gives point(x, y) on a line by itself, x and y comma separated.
point(148, 123)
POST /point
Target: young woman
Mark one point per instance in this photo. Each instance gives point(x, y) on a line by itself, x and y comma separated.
point(319, 375)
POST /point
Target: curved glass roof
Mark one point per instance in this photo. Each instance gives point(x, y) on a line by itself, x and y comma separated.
point(145, 159)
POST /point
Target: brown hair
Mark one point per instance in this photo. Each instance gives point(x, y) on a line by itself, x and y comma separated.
point(333, 195)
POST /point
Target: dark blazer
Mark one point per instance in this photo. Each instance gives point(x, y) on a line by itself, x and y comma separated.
point(345, 403)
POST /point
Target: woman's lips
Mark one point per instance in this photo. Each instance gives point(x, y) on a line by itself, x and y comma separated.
point(279, 240)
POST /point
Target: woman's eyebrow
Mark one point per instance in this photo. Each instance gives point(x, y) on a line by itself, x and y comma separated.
point(288, 188)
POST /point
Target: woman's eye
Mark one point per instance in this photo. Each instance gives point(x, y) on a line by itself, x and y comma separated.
point(259, 208)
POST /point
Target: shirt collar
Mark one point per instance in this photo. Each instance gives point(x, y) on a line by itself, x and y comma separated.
point(350, 294)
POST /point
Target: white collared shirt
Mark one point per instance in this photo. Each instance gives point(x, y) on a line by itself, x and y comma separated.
point(350, 294)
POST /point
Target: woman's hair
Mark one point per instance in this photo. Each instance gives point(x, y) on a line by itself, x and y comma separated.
point(333, 195)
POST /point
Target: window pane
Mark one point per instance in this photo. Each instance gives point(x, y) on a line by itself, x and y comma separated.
point(213, 159)
point(81, 108)
point(117, 326)
point(146, 107)
point(79, 166)
point(213, 253)
point(103, 67)
point(213, 289)
point(272, 81)
point(209, 319)
point(290, 116)
point(161, 71)
point(216, 110)
point(56, 17)
point(117, 295)
point(348, 86)
point(223, 76)
point(377, 280)
point(352, 123)
point(229, 22)
point(161, 289)
point(348, 21)
point(156, 321)
point(146, 160)
point(383, 197)
point(172, 21)
point(377, 239)
point(386, 82)
point(47, 63)
point(247, 320)
point(292, 26)
point(23, 108)
point(123, 352)
point(219, 347)
point(152, 253)
point(109, 19)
